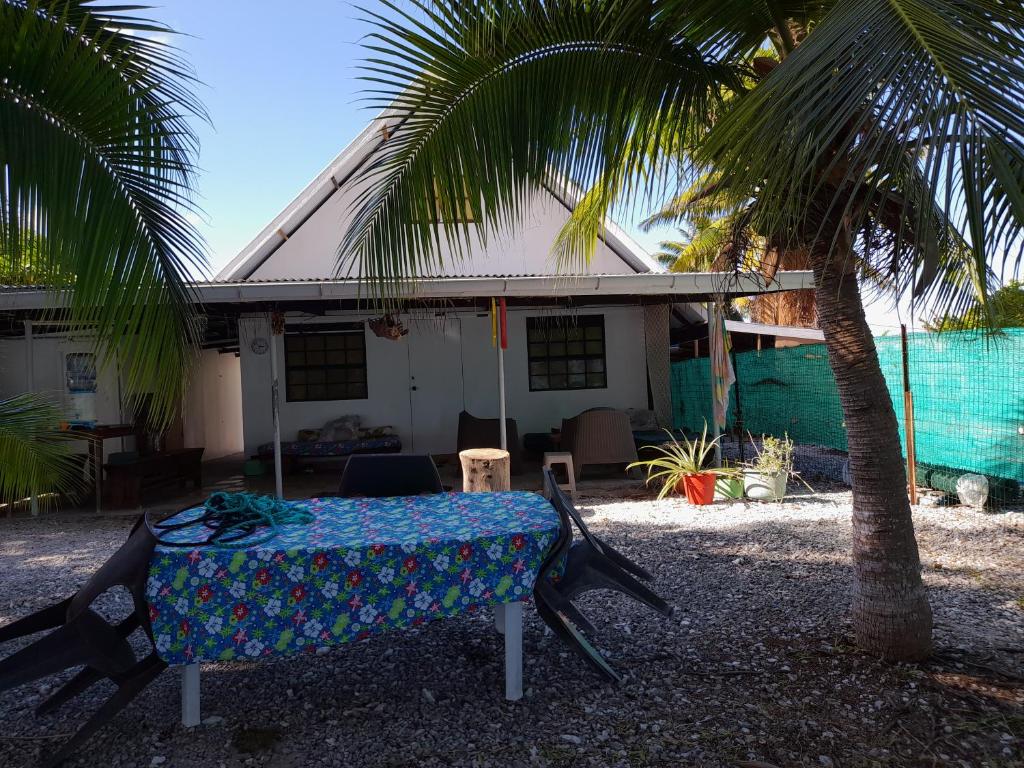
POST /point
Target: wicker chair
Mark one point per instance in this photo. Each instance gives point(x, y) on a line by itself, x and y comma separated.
point(486, 433)
point(598, 436)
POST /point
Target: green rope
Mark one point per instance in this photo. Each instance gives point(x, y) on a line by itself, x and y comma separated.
point(234, 517)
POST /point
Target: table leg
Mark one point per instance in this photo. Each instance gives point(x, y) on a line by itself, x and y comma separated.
point(190, 696)
point(513, 620)
point(499, 618)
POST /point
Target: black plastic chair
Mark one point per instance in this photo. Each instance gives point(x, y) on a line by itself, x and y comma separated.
point(81, 636)
point(389, 474)
point(590, 564)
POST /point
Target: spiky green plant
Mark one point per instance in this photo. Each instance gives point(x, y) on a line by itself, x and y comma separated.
point(678, 459)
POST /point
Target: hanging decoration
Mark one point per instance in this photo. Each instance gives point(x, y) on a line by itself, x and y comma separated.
point(722, 374)
point(277, 323)
point(388, 327)
point(503, 323)
point(494, 323)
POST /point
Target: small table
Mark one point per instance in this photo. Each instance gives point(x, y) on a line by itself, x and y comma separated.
point(96, 435)
point(361, 567)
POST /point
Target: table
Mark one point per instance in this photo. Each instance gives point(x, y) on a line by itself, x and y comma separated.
point(362, 567)
point(96, 435)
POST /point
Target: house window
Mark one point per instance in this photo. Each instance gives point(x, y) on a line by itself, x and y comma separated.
point(566, 353)
point(326, 363)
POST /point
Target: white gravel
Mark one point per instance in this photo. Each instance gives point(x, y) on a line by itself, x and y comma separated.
point(756, 668)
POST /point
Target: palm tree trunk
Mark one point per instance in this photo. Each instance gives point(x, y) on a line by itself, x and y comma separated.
point(891, 615)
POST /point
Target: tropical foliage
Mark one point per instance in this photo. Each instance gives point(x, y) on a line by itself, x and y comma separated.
point(1007, 304)
point(98, 160)
point(884, 134)
point(36, 455)
point(676, 459)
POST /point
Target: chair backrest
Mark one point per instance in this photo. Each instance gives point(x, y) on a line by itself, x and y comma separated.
point(389, 474)
point(475, 432)
point(565, 507)
point(599, 436)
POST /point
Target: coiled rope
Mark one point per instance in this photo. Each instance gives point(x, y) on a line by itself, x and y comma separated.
point(232, 519)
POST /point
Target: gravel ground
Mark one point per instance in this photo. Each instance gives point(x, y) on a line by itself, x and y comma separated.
point(755, 669)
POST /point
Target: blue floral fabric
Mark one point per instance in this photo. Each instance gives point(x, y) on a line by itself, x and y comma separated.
point(363, 566)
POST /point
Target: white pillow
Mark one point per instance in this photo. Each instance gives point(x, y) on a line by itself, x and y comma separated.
point(341, 429)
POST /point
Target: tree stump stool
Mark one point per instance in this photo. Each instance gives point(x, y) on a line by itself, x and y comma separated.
point(485, 469)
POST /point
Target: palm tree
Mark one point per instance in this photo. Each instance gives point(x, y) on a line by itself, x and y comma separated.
point(888, 133)
point(97, 160)
point(722, 237)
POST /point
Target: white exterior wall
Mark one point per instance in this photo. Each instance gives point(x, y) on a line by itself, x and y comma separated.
point(212, 413)
point(48, 351)
point(473, 385)
point(311, 251)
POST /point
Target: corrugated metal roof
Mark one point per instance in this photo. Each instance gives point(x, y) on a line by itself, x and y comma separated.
point(480, 276)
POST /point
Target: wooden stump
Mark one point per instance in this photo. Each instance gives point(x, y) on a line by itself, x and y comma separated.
point(485, 469)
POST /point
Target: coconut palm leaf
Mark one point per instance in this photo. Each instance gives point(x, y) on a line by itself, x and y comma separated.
point(36, 454)
point(876, 84)
point(491, 106)
point(98, 160)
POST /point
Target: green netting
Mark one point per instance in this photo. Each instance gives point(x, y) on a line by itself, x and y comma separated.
point(968, 397)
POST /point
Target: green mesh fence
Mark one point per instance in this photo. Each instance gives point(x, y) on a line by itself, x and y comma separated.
point(968, 397)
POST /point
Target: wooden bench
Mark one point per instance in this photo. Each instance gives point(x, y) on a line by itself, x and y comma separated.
point(127, 481)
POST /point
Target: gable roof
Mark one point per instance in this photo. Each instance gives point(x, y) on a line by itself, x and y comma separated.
point(301, 242)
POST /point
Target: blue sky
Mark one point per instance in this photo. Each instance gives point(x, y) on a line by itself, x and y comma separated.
point(279, 82)
point(283, 99)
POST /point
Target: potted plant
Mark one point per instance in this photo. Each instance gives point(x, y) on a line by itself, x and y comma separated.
point(682, 467)
point(764, 478)
point(729, 482)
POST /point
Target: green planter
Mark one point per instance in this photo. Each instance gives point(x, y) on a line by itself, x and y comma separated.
point(729, 488)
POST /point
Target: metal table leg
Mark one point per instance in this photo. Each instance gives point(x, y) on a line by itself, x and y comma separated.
point(513, 622)
point(190, 714)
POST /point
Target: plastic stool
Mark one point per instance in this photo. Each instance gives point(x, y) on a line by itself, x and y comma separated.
point(562, 457)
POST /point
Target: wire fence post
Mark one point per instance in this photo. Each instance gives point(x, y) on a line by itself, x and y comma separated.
point(908, 417)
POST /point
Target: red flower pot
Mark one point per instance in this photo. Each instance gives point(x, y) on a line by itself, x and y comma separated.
point(699, 489)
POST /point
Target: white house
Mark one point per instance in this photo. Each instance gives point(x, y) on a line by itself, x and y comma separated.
point(574, 341)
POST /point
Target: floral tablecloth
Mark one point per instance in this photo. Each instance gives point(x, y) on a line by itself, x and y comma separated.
point(363, 566)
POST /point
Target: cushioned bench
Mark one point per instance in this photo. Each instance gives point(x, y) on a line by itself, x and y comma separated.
point(294, 450)
point(129, 477)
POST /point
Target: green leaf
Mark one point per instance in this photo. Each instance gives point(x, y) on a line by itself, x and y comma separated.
point(98, 159)
point(35, 454)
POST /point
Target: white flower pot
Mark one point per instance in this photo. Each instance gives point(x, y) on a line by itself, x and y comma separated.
point(762, 487)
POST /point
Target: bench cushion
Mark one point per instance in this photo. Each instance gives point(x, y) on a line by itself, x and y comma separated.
point(326, 448)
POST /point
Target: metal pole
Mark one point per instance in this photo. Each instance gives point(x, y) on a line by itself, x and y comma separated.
point(30, 386)
point(711, 370)
point(501, 397)
point(739, 406)
point(275, 407)
point(908, 419)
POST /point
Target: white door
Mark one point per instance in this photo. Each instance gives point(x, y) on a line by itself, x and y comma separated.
point(435, 383)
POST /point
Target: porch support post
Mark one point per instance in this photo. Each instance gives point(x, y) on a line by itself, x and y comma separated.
point(501, 397)
point(275, 407)
point(30, 386)
point(715, 432)
point(502, 331)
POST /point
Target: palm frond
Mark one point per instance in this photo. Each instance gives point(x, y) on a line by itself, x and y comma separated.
point(495, 101)
point(828, 134)
point(35, 456)
point(98, 158)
